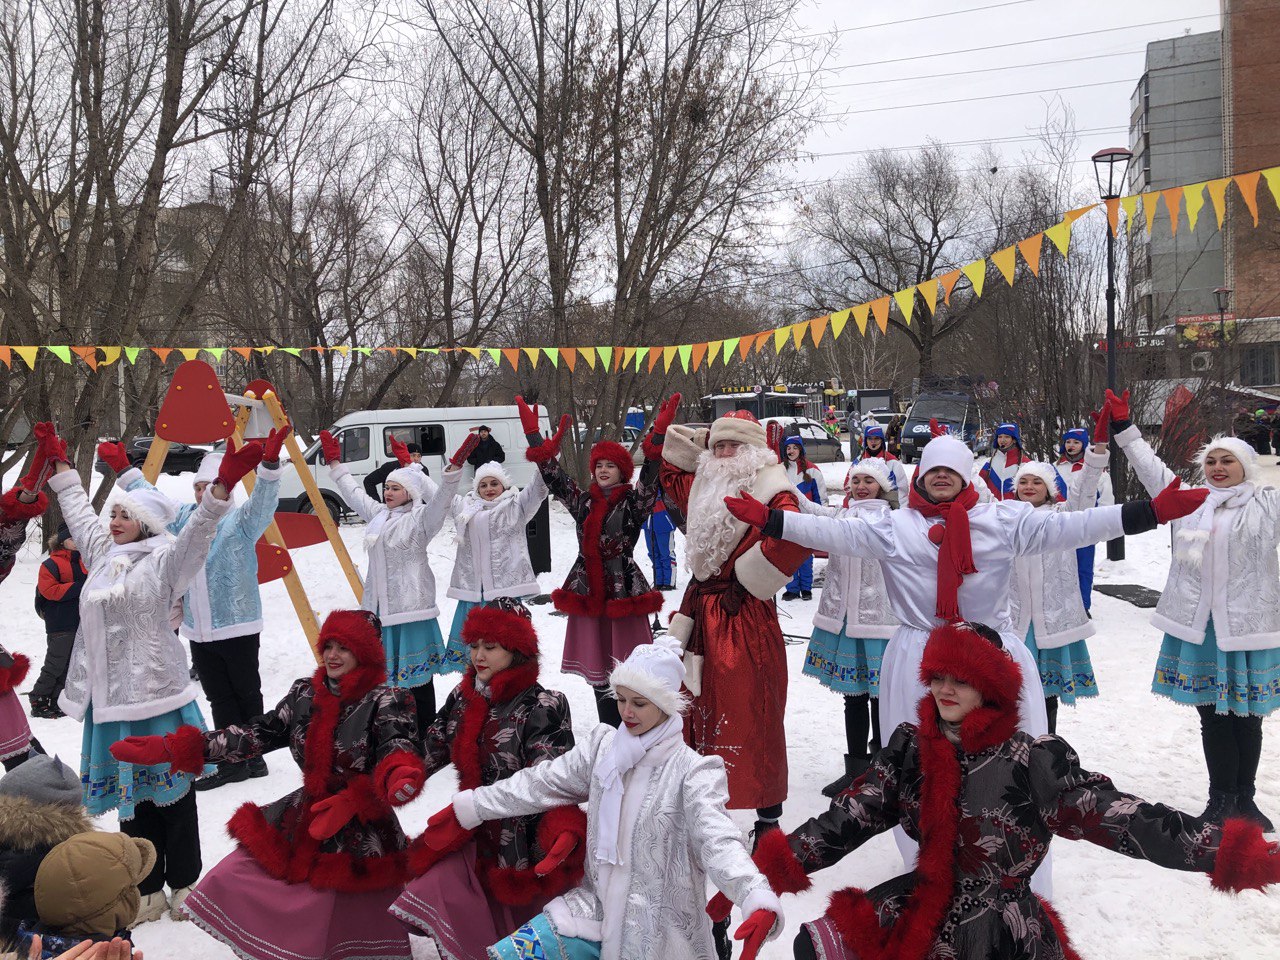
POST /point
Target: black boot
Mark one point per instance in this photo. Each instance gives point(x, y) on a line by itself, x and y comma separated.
point(226, 773)
point(720, 933)
point(1245, 807)
point(854, 767)
point(1222, 804)
point(759, 830)
point(257, 767)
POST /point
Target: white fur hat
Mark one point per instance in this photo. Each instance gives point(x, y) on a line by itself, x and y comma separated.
point(740, 426)
point(1042, 471)
point(491, 469)
point(946, 451)
point(148, 506)
point(656, 671)
point(414, 479)
point(209, 467)
point(1247, 456)
point(875, 468)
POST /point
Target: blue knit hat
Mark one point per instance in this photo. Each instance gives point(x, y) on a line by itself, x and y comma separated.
point(876, 431)
point(1010, 430)
point(790, 440)
point(1075, 433)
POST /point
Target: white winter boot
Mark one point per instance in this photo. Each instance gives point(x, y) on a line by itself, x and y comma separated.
point(178, 898)
point(152, 907)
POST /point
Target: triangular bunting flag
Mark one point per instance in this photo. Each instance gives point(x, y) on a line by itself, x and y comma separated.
point(28, 355)
point(817, 328)
point(532, 353)
point(474, 351)
point(217, 352)
point(88, 354)
point(745, 345)
point(1173, 203)
point(1130, 207)
point(63, 353)
point(838, 321)
point(880, 310)
point(513, 356)
point(1194, 195)
point(668, 354)
point(589, 355)
point(162, 352)
point(1006, 262)
point(1113, 215)
point(642, 354)
point(131, 354)
point(1272, 176)
point(1074, 215)
point(860, 314)
point(1030, 249)
point(655, 354)
point(411, 351)
point(948, 281)
point(686, 352)
point(292, 351)
point(265, 351)
point(906, 301)
point(977, 274)
point(1060, 234)
point(110, 355)
point(628, 354)
point(696, 352)
point(6, 356)
point(553, 355)
point(797, 333)
point(495, 355)
point(367, 351)
point(1149, 204)
point(762, 340)
point(606, 356)
point(1247, 183)
point(1218, 194)
point(189, 353)
point(713, 352)
point(929, 291)
point(730, 345)
point(245, 352)
point(570, 355)
point(779, 338)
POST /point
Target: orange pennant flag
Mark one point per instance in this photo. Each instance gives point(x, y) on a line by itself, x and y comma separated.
point(1218, 194)
point(1030, 248)
point(762, 340)
point(1006, 262)
point(245, 352)
point(818, 327)
point(88, 354)
point(797, 333)
point(655, 354)
point(1248, 186)
point(513, 356)
point(948, 281)
point(1173, 203)
point(880, 310)
point(860, 314)
point(699, 351)
point(929, 290)
point(744, 345)
point(6, 356)
point(1113, 215)
point(1149, 203)
point(1074, 215)
point(162, 352)
point(570, 356)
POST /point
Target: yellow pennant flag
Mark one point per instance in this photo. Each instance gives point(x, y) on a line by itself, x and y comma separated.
point(860, 314)
point(1272, 176)
point(818, 327)
point(1218, 194)
point(1130, 207)
point(668, 354)
point(838, 320)
point(28, 354)
point(779, 338)
point(474, 351)
point(189, 353)
point(1149, 202)
point(797, 333)
point(411, 351)
point(1173, 202)
point(628, 354)
point(1030, 249)
point(588, 354)
point(929, 291)
point(532, 353)
point(906, 301)
point(1194, 195)
point(110, 355)
point(1006, 262)
point(1060, 234)
point(977, 274)
point(880, 310)
point(713, 351)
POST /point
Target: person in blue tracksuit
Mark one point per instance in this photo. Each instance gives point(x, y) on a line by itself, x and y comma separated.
point(998, 473)
point(1070, 467)
point(657, 536)
point(809, 481)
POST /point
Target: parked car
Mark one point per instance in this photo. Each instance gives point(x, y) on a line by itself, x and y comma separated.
point(819, 445)
point(954, 409)
point(181, 458)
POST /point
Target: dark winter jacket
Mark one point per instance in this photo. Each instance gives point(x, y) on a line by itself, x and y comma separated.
point(58, 587)
point(488, 738)
point(984, 817)
point(373, 481)
point(342, 741)
point(605, 581)
point(28, 831)
point(487, 451)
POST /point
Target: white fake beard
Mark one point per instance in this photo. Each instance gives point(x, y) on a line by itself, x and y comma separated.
point(712, 531)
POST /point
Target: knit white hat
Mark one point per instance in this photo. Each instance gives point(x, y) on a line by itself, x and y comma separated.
point(209, 467)
point(491, 469)
point(740, 426)
point(1247, 456)
point(946, 451)
point(414, 479)
point(875, 468)
point(654, 670)
point(1045, 473)
point(148, 506)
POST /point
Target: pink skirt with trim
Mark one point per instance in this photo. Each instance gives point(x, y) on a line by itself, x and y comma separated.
point(592, 644)
point(15, 732)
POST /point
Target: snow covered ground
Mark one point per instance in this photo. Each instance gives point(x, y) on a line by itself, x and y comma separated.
point(1114, 908)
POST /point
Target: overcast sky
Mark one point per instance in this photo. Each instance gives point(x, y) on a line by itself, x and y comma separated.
point(929, 49)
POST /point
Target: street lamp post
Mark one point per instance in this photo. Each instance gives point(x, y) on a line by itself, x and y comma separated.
point(1223, 298)
point(1110, 165)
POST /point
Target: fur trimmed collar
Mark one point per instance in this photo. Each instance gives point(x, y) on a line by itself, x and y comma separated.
point(28, 825)
point(505, 687)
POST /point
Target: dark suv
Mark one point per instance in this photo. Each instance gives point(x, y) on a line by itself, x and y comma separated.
point(181, 458)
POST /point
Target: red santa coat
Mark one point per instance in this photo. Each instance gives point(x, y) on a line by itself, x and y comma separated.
point(728, 624)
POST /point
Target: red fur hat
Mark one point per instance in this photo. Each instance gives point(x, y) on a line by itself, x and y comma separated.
point(359, 631)
point(967, 652)
point(506, 624)
point(615, 453)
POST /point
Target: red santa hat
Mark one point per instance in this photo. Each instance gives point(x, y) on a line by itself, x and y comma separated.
point(616, 454)
point(740, 426)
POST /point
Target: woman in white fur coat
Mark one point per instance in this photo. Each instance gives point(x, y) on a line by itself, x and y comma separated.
point(493, 552)
point(656, 830)
point(1220, 610)
point(1044, 593)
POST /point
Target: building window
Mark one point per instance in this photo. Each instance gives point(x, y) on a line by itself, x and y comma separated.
point(1258, 366)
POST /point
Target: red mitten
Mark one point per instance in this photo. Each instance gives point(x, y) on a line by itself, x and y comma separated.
point(404, 783)
point(330, 447)
point(666, 414)
point(50, 451)
point(274, 443)
point(236, 463)
point(331, 814)
point(719, 908)
point(528, 417)
point(557, 855)
point(1102, 423)
point(748, 509)
point(1119, 406)
point(1173, 502)
point(753, 931)
point(114, 456)
point(142, 751)
point(11, 677)
point(444, 831)
point(468, 445)
point(400, 450)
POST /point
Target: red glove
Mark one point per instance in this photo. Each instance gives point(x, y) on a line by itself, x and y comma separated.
point(50, 450)
point(443, 830)
point(404, 783)
point(1173, 502)
point(330, 447)
point(748, 509)
point(753, 931)
point(114, 456)
point(331, 814)
point(557, 855)
point(719, 908)
point(236, 463)
point(1119, 406)
point(142, 751)
point(400, 450)
point(666, 414)
point(274, 443)
point(460, 455)
point(1102, 423)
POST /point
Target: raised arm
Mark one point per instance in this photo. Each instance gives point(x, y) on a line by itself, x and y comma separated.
point(529, 500)
point(182, 560)
point(364, 505)
point(430, 514)
point(83, 523)
point(1085, 492)
point(681, 449)
point(252, 517)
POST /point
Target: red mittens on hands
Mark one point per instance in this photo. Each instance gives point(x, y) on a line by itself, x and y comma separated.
point(330, 447)
point(748, 509)
point(753, 931)
point(468, 446)
point(331, 814)
point(274, 443)
point(1119, 406)
point(557, 855)
point(141, 751)
point(666, 414)
point(236, 463)
point(444, 831)
point(1173, 502)
point(114, 456)
point(1102, 423)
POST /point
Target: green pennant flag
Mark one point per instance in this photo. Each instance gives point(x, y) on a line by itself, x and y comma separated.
point(553, 354)
point(292, 351)
point(642, 353)
point(606, 356)
point(367, 351)
point(495, 354)
point(729, 347)
point(434, 351)
point(131, 354)
point(216, 351)
point(62, 353)
point(685, 350)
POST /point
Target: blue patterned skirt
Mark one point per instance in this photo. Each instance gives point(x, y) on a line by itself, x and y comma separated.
point(850, 666)
point(109, 784)
point(457, 655)
point(1065, 672)
point(1243, 682)
point(536, 940)
point(415, 653)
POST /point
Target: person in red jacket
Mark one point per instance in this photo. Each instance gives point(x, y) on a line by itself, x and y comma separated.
point(62, 575)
